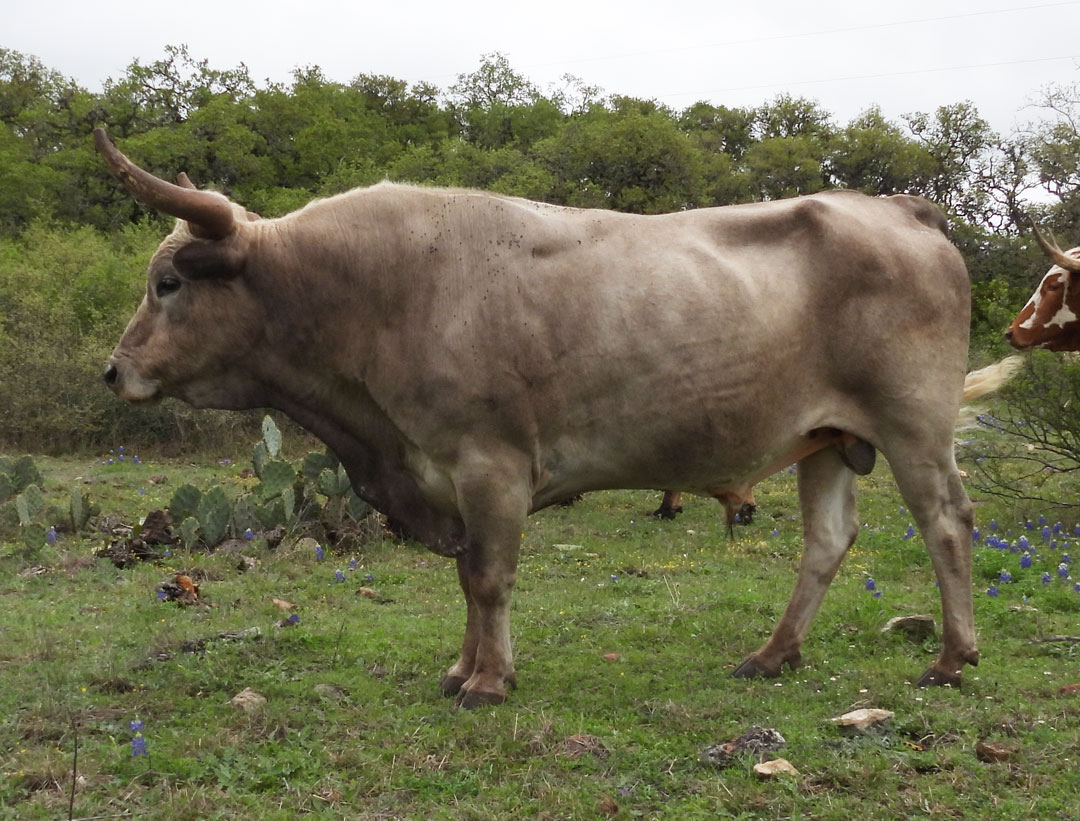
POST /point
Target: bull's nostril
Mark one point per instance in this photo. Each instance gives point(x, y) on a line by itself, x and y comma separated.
point(1008, 335)
point(111, 375)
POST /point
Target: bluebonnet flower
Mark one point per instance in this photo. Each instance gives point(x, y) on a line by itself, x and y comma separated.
point(975, 535)
point(1066, 558)
point(1046, 534)
point(1030, 525)
point(136, 725)
point(1023, 543)
point(138, 746)
point(1047, 578)
point(50, 535)
point(120, 457)
point(369, 578)
point(119, 450)
point(142, 491)
point(293, 619)
point(775, 533)
point(1042, 520)
point(339, 576)
point(352, 564)
point(320, 554)
point(910, 532)
point(1058, 528)
point(614, 577)
point(903, 511)
point(162, 595)
point(1025, 561)
point(249, 534)
point(1005, 576)
point(1053, 544)
point(1076, 530)
point(993, 525)
point(1063, 571)
point(992, 591)
point(877, 594)
point(1076, 588)
point(136, 460)
point(871, 584)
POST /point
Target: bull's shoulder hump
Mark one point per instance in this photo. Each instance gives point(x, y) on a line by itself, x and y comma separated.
point(922, 210)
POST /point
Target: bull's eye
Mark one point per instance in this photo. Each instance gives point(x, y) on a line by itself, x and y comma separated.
point(166, 286)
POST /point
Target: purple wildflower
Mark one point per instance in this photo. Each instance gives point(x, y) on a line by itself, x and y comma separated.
point(249, 534)
point(1025, 561)
point(136, 725)
point(1047, 578)
point(339, 576)
point(1023, 543)
point(138, 746)
point(871, 584)
point(1005, 577)
point(1063, 571)
point(992, 591)
point(320, 554)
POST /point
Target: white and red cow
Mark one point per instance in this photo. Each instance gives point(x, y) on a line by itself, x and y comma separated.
point(1051, 318)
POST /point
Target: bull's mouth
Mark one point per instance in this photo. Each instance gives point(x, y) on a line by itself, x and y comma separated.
point(133, 388)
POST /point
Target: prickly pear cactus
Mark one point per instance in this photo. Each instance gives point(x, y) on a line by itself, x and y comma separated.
point(189, 532)
point(277, 475)
point(244, 515)
point(272, 437)
point(259, 457)
point(316, 463)
point(288, 499)
point(33, 536)
point(214, 512)
point(271, 514)
point(25, 473)
point(356, 507)
point(185, 502)
point(333, 482)
point(29, 503)
point(79, 509)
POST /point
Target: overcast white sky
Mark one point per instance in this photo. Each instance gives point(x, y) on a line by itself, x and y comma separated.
point(846, 54)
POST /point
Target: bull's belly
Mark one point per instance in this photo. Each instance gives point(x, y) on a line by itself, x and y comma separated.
point(725, 476)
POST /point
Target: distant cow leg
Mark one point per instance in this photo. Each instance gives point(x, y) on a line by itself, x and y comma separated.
point(494, 515)
point(830, 525)
point(670, 505)
point(938, 502)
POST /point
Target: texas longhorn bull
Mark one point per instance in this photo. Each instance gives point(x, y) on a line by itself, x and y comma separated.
point(472, 358)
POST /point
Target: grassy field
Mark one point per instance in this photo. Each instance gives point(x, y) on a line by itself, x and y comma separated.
point(626, 631)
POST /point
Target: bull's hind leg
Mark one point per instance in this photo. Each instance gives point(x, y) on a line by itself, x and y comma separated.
point(937, 499)
point(830, 525)
point(494, 513)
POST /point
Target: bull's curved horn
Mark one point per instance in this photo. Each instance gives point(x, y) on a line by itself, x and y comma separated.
point(184, 181)
point(209, 215)
point(1050, 247)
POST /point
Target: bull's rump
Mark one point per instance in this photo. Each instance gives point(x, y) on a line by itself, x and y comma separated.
point(686, 350)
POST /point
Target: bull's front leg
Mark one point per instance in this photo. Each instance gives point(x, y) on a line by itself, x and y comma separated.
point(494, 513)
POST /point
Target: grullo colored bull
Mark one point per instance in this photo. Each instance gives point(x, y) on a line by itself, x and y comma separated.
point(472, 358)
point(1051, 318)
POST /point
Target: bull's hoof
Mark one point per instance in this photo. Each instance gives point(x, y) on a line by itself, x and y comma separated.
point(471, 699)
point(451, 685)
point(752, 668)
point(938, 678)
point(667, 512)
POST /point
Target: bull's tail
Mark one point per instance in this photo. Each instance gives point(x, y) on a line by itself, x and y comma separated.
point(985, 381)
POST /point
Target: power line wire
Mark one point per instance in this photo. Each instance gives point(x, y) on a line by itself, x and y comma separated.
point(883, 75)
point(807, 34)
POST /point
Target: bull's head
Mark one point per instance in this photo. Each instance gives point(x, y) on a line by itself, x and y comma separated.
point(198, 317)
point(1051, 318)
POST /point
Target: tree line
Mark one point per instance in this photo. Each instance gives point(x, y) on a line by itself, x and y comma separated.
point(73, 243)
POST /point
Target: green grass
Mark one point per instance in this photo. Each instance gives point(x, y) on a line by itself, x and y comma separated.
point(354, 727)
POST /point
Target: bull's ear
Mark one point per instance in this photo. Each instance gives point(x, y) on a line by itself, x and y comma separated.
point(209, 259)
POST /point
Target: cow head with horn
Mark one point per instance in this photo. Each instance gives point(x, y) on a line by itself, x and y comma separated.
point(1051, 318)
point(186, 307)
